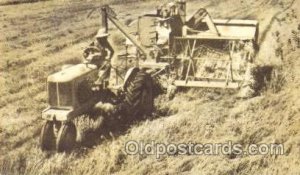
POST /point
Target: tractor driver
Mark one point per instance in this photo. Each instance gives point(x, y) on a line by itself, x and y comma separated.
point(98, 51)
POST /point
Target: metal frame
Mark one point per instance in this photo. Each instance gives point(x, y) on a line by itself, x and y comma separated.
point(215, 32)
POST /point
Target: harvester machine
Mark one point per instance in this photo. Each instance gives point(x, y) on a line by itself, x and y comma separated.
point(194, 50)
point(168, 48)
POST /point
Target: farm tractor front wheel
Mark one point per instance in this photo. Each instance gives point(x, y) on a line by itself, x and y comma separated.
point(58, 135)
point(47, 138)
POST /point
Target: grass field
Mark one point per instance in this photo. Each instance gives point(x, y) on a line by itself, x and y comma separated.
point(38, 38)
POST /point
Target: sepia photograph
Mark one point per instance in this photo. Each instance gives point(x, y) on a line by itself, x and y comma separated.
point(149, 87)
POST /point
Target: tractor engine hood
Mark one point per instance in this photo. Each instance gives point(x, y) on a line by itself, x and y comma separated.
point(71, 73)
point(69, 91)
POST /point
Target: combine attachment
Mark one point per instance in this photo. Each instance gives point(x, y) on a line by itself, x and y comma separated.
point(197, 51)
point(215, 53)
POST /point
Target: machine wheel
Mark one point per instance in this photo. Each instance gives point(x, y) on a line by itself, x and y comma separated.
point(47, 137)
point(66, 139)
point(139, 95)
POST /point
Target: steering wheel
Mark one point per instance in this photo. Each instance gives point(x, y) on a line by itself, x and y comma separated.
point(90, 50)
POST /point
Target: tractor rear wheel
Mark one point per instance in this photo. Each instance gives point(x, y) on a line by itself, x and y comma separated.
point(66, 139)
point(47, 137)
point(139, 95)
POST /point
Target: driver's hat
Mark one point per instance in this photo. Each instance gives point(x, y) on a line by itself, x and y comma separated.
point(102, 33)
point(171, 4)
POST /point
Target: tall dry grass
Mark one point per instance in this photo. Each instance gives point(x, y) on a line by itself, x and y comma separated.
point(202, 116)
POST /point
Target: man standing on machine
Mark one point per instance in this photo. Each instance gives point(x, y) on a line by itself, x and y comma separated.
point(97, 54)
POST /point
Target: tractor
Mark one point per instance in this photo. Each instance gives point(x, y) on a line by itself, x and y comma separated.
point(168, 50)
